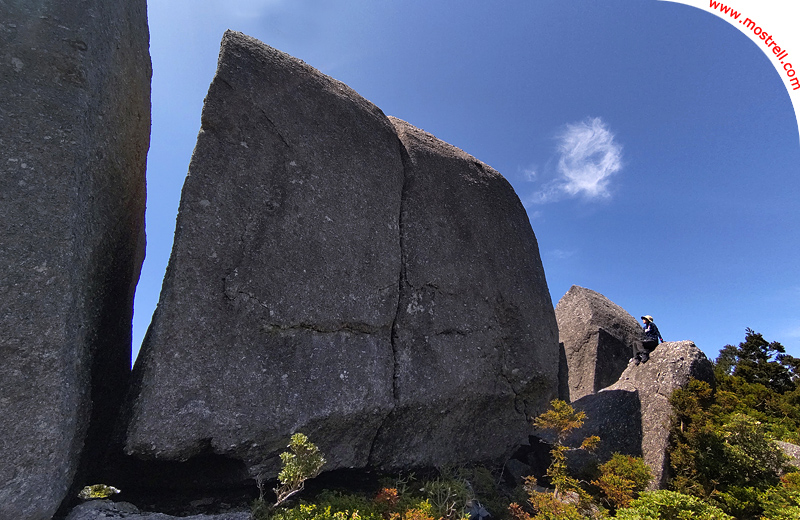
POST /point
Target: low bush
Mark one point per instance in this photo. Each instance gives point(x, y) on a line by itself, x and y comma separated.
point(622, 479)
point(670, 505)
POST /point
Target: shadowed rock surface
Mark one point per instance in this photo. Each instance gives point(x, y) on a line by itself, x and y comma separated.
point(385, 298)
point(612, 414)
point(597, 337)
point(74, 134)
point(104, 509)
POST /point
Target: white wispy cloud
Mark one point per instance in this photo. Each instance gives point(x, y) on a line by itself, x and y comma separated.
point(530, 174)
point(588, 158)
point(561, 254)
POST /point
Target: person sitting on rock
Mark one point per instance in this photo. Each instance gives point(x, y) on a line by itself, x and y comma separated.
point(650, 342)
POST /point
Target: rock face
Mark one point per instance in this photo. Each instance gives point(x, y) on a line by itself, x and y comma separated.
point(74, 134)
point(597, 337)
point(104, 509)
point(792, 451)
point(632, 416)
point(324, 280)
point(475, 322)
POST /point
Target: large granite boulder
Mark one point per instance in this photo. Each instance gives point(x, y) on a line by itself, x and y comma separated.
point(632, 416)
point(74, 134)
point(377, 294)
point(597, 338)
point(277, 306)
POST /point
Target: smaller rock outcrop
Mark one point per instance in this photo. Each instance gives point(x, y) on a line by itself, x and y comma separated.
point(597, 338)
point(632, 416)
point(792, 451)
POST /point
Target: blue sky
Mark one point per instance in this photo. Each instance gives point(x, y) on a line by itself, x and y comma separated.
point(653, 145)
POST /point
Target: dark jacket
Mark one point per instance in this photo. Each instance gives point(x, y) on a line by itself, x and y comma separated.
point(651, 332)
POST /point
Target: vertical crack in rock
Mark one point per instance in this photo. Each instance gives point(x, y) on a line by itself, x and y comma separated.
point(401, 283)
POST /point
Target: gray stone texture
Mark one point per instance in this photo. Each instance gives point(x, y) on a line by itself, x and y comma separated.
point(74, 134)
point(385, 298)
point(475, 332)
point(105, 509)
point(632, 416)
point(277, 305)
point(792, 451)
point(597, 338)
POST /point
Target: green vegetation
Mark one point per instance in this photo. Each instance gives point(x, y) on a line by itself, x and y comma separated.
point(302, 462)
point(759, 379)
point(723, 447)
point(560, 420)
point(447, 496)
point(622, 479)
point(97, 491)
point(670, 505)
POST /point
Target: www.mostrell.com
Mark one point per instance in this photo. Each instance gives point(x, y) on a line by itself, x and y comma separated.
point(780, 53)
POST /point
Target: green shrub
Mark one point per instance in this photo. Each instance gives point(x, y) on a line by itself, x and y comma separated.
point(753, 457)
point(560, 420)
point(97, 491)
point(448, 496)
point(302, 462)
point(713, 450)
point(783, 502)
point(319, 512)
point(741, 502)
point(622, 478)
point(670, 505)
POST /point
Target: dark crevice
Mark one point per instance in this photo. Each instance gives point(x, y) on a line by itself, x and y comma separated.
point(354, 328)
point(274, 128)
point(453, 332)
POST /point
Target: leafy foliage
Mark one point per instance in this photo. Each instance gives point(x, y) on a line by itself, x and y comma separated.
point(670, 505)
point(444, 497)
point(97, 491)
point(302, 462)
point(560, 420)
point(758, 361)
point(783, 502)
point(319, 512)
point(622, 478)
point(722, 441)
point(728, 458)
point(545, 506)
point(758, 379)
